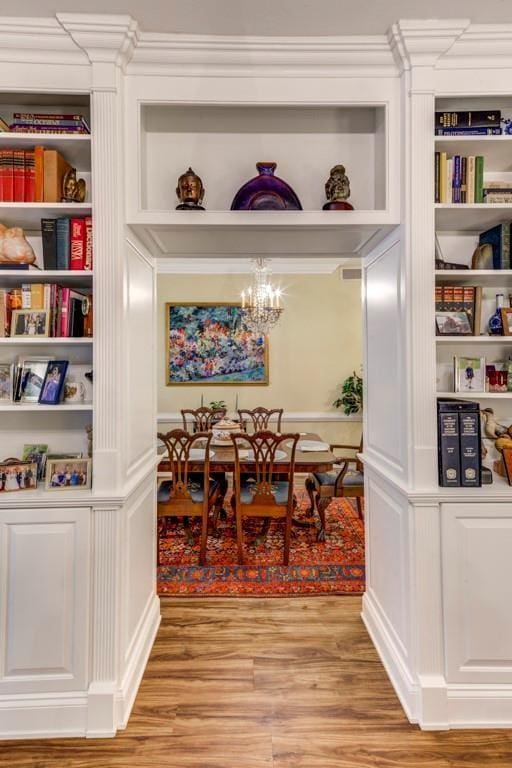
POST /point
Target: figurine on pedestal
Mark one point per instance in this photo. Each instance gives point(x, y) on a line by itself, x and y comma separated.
point(190, 192)
point(337, 190)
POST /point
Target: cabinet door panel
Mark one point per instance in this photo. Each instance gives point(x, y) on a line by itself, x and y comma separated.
point(44, 599)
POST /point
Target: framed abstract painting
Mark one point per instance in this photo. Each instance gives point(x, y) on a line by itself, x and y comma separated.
point(208, 344)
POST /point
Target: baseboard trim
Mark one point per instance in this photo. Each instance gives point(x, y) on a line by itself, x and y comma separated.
point(43, 716)
point(137, 659)
point(405, 688)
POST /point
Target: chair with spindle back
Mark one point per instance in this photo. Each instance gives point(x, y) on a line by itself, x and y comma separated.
point(259, 418)
point(268, 496)
point(201, 419)
point(182, 496)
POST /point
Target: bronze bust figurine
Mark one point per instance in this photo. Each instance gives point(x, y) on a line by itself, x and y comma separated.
point(337, 190)
point(73, 189)
point(190, 192)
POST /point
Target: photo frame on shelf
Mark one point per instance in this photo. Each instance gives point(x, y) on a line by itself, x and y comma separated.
point(16, 475)
point(469, 374)
point(30, 322)
point(6, 382)
point(453, 324)
point(33, 371)
point(208, 344)
point(68, 474)
point(53, 383)
point(506, 318)
point(36, 452)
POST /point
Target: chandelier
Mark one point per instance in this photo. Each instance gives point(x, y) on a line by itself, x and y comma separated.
point(261, 302)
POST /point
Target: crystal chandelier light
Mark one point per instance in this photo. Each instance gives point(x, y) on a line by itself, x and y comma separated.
point(261, 302)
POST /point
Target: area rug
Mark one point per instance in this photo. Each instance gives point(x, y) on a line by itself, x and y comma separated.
point(335, 566)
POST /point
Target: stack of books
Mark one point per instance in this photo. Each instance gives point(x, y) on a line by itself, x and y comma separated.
point(40, 122)
point(458, 179)
point(67, 243)
point(32, 176)
point(459, 445)
point(469, 123)
point(461, 298)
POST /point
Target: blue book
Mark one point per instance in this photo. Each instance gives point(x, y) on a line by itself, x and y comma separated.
point(468, 131)
point(457, 179)
point(470, 448)
point(499, 238)
point(63, 243)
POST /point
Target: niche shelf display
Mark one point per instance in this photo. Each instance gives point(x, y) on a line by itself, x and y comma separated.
point(62, 426)
point(223, 145)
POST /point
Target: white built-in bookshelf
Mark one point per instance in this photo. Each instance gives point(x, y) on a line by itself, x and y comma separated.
point(62, 427)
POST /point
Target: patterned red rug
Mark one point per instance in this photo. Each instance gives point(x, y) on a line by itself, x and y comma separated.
point(335, 566)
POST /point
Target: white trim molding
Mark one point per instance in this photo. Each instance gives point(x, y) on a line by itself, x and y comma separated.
point(293, 416)
point(244, 265)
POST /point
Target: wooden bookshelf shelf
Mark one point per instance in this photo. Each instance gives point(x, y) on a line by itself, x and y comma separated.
point(485, 277)
point(473, 340)
point(474, 217)
point(75, 148)
point(29, 215)
point(62, 341)
point(14, 277)
point(477, 395)
point(31, 407)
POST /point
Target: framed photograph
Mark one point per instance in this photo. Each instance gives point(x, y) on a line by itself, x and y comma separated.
point(469, 374)
point(33, 371)
point(68, 474)
point(30, 322)
point(6, 372)
point(453, 324)
point(18, 475)
point(506, 318)
point(53, 382)
point(36, 452)
point(208, 344)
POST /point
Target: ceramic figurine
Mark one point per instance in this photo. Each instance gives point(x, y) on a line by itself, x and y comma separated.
point(266, 192)
point(14, 247)
point(492, 429)
point(73, 189)
point(337, 190)
point(190, 192)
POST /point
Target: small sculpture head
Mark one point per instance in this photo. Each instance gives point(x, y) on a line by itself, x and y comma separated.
point(337, 186)
point(190, 188)
point(73, 189)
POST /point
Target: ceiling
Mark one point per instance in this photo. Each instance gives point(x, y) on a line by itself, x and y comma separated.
point(273, 17)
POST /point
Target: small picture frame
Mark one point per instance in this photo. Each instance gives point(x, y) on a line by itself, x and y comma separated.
point(506, 319)
point(53, 383)
point(6, 372)
point(30, 322)
point(36, 453)
point(453, 324)
point(469, 374)
point(68, 474)
point(33, 371)
point(16, 475)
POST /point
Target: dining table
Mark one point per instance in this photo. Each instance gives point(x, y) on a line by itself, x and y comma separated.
point(222, 459)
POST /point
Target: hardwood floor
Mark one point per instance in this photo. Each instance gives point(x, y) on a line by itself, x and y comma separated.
point(266, 683)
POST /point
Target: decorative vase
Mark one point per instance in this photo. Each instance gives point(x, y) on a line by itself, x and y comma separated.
point(496, 321)
point(266, 192)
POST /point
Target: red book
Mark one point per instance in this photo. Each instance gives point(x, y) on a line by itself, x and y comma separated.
point(88, 243)
point(39, 174)
point(8, 176)
point(77, 244)
point(63, 310)
point(30, 177)
point(18, 175)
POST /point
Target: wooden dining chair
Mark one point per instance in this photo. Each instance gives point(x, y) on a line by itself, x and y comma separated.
point(260, 418)
point(346, 480)
point(268, 495)
point(201, 419)
point(181, 496)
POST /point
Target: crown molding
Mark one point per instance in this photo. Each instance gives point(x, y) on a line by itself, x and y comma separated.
point(37, 41)
point(244, 266)
point(106, 39)
point(213, 56)
point(422, 42)
point(481, 45)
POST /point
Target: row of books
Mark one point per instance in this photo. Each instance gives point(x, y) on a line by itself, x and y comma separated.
point(469, 123)
point(41, 122)
point(461, 298)
point(458, 179)
point(45, 309)
point(459, 447)
point(67, 243)
point(32, 176)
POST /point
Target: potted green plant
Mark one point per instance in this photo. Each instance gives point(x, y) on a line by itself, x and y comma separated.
point(351, 396)
point(217, 405)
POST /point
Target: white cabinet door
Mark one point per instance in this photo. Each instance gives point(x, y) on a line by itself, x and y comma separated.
point(477, 591)
point(44, 596)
